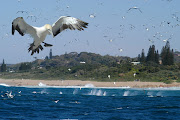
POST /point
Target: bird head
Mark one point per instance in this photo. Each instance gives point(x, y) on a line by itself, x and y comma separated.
point(49, 29)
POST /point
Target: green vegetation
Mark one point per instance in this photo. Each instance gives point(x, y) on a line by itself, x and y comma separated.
point(91, 66)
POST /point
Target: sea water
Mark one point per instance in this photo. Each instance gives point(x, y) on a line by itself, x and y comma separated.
point(88, 103)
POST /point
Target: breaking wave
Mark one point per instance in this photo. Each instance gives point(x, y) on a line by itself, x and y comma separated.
point(89, 85)
point(41, 84)
point(3, 84)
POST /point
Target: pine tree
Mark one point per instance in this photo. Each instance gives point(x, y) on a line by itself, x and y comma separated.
point(167, 55)
point(156, 57)
point(3, 67)
point(142, 58)
point(50, 54)
point(163, 54)
point(139, 57)
point(151, 54)
point(172, 57)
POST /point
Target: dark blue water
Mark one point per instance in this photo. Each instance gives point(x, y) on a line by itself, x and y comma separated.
point(22, 103)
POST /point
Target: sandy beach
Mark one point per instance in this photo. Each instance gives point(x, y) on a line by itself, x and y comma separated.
point(133, 84)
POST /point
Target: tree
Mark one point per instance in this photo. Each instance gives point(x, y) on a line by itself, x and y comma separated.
point(46, 58)
point(25, 66)
point(139, 57)
point(3, 67)
point(167, 55)
point(142, 58)
point(50, 54)
point(156, 57)
point(172, 57)
point(151, 54)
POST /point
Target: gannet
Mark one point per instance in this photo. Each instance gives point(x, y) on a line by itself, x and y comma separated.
point(135, 8)
point(39, 33)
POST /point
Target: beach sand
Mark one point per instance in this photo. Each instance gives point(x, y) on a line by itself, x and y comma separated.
point(133, 84)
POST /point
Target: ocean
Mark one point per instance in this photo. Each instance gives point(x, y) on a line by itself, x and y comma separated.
point(88, 103)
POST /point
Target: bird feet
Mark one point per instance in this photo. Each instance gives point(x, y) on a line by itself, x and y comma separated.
point(47, 45)
point(35, 50)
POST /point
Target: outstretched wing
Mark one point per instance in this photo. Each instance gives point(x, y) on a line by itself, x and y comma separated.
point(22, 27)
point(66, 22)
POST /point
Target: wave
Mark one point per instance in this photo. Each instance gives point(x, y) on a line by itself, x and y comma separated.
point(3, 84)
point(42, 85)
point(163, 88)
point(89, 85)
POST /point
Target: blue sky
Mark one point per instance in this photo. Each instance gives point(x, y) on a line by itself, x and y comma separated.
point(112, 28)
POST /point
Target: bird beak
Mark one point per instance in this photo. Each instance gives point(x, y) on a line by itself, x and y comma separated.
point(50, 31)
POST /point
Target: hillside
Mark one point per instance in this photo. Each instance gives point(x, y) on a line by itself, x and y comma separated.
point(91, 66)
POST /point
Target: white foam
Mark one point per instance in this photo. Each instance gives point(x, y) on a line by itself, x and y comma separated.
point(34, 92)
point(89, 85)
point(80, 87)
point(126, 93)
point(3, 84)
point(164, 88)
point(42, 85)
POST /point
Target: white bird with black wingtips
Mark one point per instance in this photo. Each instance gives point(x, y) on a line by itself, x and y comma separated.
point(39, 33)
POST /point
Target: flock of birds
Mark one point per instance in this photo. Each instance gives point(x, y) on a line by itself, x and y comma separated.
point(72, 23)
point(10, 95)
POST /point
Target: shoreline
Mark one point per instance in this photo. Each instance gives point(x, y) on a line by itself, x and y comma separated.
point(66, 83)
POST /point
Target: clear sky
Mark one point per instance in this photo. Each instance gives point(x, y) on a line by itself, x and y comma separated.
point(112, 28)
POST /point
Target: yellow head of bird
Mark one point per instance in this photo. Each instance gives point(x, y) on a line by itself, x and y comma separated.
point(49, 28)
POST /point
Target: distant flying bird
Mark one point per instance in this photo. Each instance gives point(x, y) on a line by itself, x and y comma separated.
point(136, 8)
point(56, 101)
point(67, 6)
point(21, 12)
point(165, 40)
point(39, 33)
point(110, 40)
point(92, 16)
point(120, 49)
point(151, 41)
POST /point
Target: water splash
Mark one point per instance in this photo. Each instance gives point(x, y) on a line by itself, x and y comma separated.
point(44, 91)
point(97, 92)
point(75, 91)
point(126, 93)
point(41, 84)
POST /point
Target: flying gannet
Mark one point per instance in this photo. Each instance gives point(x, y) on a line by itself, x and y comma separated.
point(39, 33)
point(135, 8)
